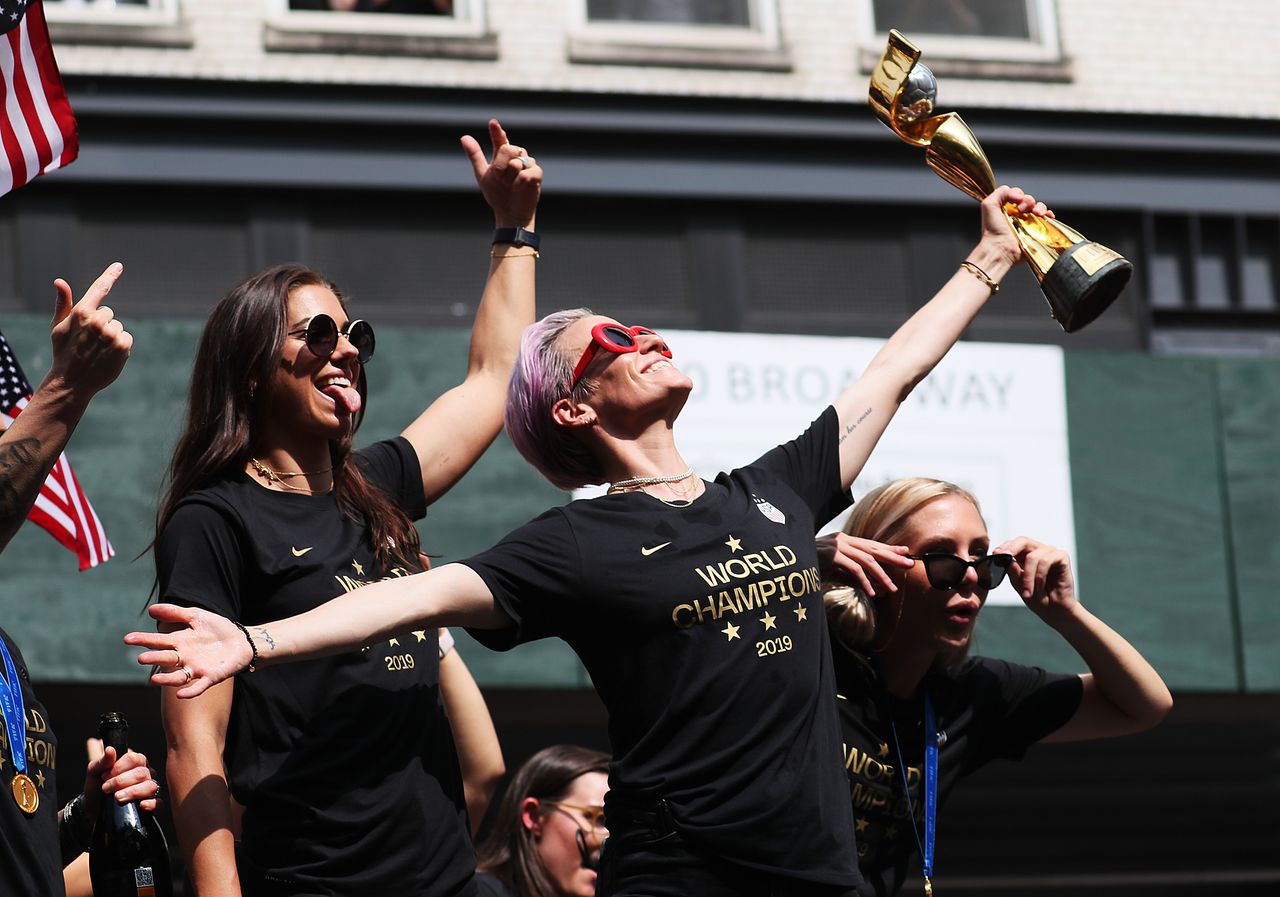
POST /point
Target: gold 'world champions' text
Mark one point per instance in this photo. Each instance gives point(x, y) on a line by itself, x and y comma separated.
point(773, 578)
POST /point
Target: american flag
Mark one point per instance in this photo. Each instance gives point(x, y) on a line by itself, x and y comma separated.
point(62, 507)
point(37, 128)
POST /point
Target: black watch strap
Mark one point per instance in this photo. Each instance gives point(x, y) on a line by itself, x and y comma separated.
point(517, 236)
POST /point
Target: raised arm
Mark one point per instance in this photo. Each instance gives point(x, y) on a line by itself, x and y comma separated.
point(90, 348)
point(206, 649)
point(866, 407)
point(479, 752)
point(458, 426)
point(1123, 693)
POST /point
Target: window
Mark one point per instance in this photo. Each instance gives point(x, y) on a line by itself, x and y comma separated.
point(677, 12)
point(154, 23)
point(697, 33)
point(452, 28)
point(115, 12)
point(394, 7)
point(962, 18)
point(1002, 35)
point(101, 4)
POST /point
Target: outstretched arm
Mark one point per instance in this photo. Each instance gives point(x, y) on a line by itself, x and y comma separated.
point(866, 407)
point(1123, 693)
point(207, 649)
point(90, 348)
point(458, 426)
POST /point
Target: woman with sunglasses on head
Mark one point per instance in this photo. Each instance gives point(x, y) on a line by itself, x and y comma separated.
point(914, 707)
point(547, 827)
point(344, 768)
point(694, 605)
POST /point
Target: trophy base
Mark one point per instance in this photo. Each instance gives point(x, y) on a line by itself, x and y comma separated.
point(1083, 281)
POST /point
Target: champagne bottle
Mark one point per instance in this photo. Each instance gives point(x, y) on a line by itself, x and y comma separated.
point(128, 856)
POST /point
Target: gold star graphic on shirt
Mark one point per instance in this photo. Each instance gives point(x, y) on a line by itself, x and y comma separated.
point(768, 621)
point(356, 565)
point(734, 543)
point(40, 778)
point(860, 826)
point(884, 750)
point(731, 631)
point(393, 643)
point(801, 613)
point(420, 634)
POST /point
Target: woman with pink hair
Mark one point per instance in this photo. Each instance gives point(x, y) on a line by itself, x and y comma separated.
point(695, 605)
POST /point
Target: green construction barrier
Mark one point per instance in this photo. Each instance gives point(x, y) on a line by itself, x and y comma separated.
point(1175, 469)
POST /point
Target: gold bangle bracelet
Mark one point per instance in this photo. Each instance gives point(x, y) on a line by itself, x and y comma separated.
point(981, 275)
point(496, 253)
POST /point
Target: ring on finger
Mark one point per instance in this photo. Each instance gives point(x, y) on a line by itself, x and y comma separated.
point(186, 672)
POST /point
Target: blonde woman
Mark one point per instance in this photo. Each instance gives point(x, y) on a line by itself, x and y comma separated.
point(908, 689)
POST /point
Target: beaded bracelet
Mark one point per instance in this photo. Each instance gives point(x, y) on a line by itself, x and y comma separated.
point(495, 253)
point(981, 275)
point(252, 663)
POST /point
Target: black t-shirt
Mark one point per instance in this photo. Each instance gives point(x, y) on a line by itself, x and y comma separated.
point(703, 631)
point(345, 765)
point(491, 886)
point(30, 856)
point(988, 709)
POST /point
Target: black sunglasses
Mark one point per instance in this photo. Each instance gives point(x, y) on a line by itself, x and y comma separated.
point(946, 571)
point(321, 336)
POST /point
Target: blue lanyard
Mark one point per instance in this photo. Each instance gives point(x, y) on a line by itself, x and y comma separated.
point(14, 711)
point(930, 790)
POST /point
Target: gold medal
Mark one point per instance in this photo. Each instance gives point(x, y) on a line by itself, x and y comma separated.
point(25, 794)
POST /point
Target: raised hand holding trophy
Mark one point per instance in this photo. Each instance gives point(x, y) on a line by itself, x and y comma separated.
point(1080, 278)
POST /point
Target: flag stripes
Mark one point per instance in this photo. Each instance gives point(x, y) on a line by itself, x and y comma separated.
point(37, 129)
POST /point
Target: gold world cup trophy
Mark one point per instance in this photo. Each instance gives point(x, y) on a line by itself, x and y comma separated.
point(1080, 278)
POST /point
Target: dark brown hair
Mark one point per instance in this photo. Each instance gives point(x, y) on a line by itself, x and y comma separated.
point(240, 348)
point(508, 851)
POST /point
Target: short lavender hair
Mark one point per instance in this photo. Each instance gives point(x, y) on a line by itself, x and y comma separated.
point(540, 379)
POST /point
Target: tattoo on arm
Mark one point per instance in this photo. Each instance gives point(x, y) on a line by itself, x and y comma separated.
point(266, 637)
point(22, 471)
point(853, 426)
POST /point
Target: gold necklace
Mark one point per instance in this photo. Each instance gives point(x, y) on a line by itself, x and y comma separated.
point(638, 482)
point(280, 477)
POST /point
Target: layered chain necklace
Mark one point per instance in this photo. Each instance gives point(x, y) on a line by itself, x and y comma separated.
point(640, 483)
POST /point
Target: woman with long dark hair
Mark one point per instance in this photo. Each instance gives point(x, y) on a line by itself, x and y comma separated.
point(923, 562)
point(695, 605)
point(547, 827)
point(344, 768)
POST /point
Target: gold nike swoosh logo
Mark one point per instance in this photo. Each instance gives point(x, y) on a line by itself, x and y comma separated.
point(299, 552)
point(648, 551)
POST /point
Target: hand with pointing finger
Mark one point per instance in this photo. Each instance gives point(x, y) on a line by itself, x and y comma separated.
point(510, 180)
point(90, 346)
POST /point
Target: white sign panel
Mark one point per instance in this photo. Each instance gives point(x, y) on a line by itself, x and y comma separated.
point(991, 418)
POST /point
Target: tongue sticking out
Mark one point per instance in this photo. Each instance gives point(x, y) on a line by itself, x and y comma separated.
point(345, 397)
